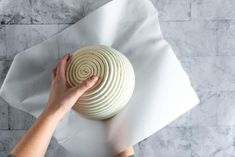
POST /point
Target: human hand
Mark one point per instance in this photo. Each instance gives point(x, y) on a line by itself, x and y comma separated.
point(128, 152)
point(62, 98)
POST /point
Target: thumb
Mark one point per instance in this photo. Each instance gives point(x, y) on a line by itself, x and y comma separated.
point(87, 84)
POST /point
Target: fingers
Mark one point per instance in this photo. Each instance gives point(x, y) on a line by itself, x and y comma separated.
point(87, 84)
point(127, 152)
point(54, 72)
point(61, 67)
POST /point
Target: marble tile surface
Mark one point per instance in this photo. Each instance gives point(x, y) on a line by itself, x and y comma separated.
point(91, 5)
point(8, 139)
point(54, 11)
point(3, 41)
point(56, 150)
point(226, 108)
point(213, 142)
point(211, 73)
point(3, 115)
point(191, 38)
point(226, 38)
point(70, 11)
point(168, 142)
point(15, 12)
point(26, 36)
point(63, 11)
point(173, 10)
point(201, 32)
point(4, 67)
point(205, 113)
point(213, 9)
point(19, 120)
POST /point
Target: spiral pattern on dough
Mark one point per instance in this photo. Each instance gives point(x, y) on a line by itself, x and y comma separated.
point(114, 87)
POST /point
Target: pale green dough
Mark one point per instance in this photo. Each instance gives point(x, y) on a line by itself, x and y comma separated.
point(114, 87)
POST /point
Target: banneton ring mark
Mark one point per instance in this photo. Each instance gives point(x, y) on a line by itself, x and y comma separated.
point(116, 81)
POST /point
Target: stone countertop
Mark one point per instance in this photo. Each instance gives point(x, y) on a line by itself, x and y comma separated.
point(202, 34)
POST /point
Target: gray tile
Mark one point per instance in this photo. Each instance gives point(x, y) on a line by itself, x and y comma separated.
point(19, 36)
point(191, 38)
point(168, 142)
point(8, 139)
point(205, 113)
point(213, 142)
point(4, 67)
point(213, 9)
point(173, 10)
point(53, 11)
point(226, 108)
point(56, 150)
point(3, 114)
point(19, 120)
point(26, 36)
point(91, 5)
point(143, 149)
point(2, 41)
point(45, 12)
point(226, 38)
point(15, 12)
point(185, 64)
point(211, 73)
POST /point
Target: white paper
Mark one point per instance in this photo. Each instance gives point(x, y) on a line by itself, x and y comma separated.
point(162, 92)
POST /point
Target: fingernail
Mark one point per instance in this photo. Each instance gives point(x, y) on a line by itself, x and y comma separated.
point(68, 57)
point(93, 77)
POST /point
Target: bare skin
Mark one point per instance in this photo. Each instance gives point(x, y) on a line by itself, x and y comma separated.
point(126, 153)
point(61, 99)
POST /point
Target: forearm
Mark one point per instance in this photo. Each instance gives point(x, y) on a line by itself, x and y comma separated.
point(37, 138)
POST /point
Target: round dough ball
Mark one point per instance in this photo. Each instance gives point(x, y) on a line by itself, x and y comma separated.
point(114, 87)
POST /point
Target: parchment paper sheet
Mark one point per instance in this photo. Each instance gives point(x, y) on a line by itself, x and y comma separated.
point(162, 92)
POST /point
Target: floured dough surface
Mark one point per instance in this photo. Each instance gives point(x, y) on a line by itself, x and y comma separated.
point(114, 87)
